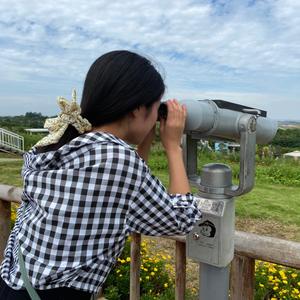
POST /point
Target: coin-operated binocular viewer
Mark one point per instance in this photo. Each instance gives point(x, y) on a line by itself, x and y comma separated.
point(211, 242)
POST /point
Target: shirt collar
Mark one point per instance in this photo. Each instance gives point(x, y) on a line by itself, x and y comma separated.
point(99, 136)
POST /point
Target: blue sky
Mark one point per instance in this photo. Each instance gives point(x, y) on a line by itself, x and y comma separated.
point(242, 51)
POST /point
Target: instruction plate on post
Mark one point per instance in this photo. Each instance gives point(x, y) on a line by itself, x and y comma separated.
point(215, 207)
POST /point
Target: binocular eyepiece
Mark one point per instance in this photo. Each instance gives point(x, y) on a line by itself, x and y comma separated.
point(220, 119)
point(162, 111)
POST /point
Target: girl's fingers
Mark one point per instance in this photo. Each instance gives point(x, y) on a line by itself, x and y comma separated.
point(180, 111)
point(176, 113)
point(174, 108)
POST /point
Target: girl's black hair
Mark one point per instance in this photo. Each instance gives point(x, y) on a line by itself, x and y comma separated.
point(116, 83)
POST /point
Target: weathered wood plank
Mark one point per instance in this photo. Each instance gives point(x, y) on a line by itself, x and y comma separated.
point(264, 248)
point(180, 276)
point(269, 249)
point(5, 215)
point(242, 278)
point(135, 266)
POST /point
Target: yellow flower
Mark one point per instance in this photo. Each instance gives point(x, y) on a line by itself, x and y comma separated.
point(296, 291)
point(270, 278)
point(284, 281)
point(118, 271)
point(120, 275)
point(261, 285)
point(298, 283)
point(152, 273)
point(273, 298)
point(128, 259)
point(275, 288)
point(294, 275)
point(165, 285)
point(147, 277)
point(155, 270)
point(282, 274)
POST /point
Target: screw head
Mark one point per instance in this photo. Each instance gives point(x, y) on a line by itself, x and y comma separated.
point(196, 236)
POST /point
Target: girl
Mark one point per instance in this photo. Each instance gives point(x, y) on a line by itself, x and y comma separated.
point(86, 188)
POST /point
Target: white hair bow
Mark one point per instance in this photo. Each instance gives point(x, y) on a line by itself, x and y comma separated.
point(70, 115)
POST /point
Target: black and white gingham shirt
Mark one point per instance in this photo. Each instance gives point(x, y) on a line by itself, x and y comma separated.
point(81, 203)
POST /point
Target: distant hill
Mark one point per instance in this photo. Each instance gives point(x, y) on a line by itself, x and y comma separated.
point(289, 124)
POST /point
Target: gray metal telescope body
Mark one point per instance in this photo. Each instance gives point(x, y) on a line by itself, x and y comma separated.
point(211, 242)
point(206, 119)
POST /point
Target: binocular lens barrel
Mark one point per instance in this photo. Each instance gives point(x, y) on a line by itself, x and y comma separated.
point(205, 118)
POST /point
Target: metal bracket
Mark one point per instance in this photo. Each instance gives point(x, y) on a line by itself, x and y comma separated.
point(247, 128)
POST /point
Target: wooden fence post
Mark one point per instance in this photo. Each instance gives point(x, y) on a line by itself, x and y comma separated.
point(180, 277)
point(135, 266)
point(5, 214)
point(242, 279)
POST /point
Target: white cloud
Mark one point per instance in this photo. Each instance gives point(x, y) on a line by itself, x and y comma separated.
point(221, 46)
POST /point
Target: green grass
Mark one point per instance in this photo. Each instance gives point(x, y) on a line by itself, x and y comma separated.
point(10, 173)
point(270, 201)
point(9, 155)
point(274, 200)
point(266, 201)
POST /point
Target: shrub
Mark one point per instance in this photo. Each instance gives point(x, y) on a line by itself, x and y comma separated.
point(276, 282)
point(154, 277)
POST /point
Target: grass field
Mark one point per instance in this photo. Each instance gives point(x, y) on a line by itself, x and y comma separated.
point(271, 209)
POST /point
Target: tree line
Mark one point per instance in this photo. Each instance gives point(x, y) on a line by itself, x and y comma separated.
point(18, 123)
point(286, 139)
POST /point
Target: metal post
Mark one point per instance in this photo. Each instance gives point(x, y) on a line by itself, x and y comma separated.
point(214, 282)
point(211, 241)
point(218, 212)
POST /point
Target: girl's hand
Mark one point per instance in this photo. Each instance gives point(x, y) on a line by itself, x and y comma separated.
point(171, 130)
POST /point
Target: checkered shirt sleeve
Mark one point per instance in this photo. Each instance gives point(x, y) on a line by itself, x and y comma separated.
point(156, 212)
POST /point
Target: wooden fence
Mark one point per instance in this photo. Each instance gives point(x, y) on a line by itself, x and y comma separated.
point(248, 248)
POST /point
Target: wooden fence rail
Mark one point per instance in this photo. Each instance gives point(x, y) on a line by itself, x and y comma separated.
point(248, 248)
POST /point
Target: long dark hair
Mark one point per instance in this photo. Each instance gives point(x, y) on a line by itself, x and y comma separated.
point(116, 83)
